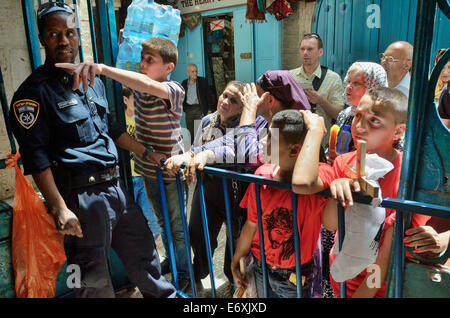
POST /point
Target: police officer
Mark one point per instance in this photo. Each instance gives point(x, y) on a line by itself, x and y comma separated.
point(66, 141)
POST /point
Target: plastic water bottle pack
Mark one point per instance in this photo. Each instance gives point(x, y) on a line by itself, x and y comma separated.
point(146, 19)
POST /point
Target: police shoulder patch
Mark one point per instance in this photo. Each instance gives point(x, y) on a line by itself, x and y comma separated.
point(26, 112)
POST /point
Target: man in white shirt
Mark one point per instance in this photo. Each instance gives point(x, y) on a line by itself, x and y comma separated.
point(397, 61)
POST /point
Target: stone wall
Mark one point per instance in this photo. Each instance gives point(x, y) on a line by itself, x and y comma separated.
point(294, 27)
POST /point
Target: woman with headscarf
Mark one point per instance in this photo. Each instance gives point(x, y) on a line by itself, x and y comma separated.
point(240, 149)
point(360, 77)
point(212, 128)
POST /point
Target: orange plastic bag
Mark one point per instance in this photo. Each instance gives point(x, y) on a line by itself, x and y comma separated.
point(37, 246)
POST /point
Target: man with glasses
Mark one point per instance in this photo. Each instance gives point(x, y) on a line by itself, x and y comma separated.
point(322, 86)
point(67, 143)
point(397, 61)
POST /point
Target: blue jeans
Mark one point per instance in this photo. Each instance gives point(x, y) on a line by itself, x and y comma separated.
point(141, 198)
point(279, 285)
point(176, 226)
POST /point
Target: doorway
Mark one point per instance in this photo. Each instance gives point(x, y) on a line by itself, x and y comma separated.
point(218, 36)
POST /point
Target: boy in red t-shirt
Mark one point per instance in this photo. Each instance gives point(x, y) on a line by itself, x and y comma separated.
point(290, 126)
point(380, 121)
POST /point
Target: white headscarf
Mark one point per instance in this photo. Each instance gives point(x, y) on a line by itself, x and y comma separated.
point(374, 75)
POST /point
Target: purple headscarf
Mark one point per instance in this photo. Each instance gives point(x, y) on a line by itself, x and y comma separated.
point(283, 86)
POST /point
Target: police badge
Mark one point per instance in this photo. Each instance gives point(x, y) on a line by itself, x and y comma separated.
point(26, 111)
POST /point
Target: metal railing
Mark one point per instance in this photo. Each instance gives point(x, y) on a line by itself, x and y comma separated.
point(391, 203)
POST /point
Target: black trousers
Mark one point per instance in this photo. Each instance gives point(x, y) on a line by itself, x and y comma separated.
point(109, 217)
point(216, 216)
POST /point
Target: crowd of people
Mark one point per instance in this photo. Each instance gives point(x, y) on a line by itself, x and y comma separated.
point(278, 128)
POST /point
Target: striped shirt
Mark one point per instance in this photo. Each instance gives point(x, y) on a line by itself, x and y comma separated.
point(158, 125)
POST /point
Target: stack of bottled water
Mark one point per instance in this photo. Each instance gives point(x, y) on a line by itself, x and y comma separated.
point(145, 20)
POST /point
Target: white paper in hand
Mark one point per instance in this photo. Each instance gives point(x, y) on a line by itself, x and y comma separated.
point(363, 225)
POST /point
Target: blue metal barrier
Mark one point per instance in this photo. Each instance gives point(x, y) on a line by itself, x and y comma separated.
point(397, 204)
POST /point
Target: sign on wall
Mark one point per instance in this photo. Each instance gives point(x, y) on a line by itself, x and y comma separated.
point(194, 6)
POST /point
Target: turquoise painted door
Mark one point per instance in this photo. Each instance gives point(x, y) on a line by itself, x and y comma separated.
point(243, 44)
point(358, 30)
point(261, 40)
point(190, 50)
point(267, 45)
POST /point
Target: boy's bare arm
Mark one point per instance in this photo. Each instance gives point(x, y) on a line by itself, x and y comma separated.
point(243, 247)
point(140, 82)
point(330, 215)
point(378, 276)
point(305, 178)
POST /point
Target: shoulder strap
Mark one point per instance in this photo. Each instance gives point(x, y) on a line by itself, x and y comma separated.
point(317, 82)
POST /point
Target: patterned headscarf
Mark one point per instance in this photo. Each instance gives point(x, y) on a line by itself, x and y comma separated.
point(283, 86)
point(374, 75)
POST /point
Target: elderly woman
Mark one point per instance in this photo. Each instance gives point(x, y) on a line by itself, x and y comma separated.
point(360, 77)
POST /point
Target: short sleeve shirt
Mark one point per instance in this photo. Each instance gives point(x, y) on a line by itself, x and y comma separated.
point(389, 188)
point(276, 206)
point(158, 125)
point(54, 124)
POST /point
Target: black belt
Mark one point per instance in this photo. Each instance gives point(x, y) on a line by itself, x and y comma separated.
point(95, 177)
point(284, 273)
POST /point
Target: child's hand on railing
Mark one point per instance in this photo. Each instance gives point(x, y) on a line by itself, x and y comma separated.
point(341, 190)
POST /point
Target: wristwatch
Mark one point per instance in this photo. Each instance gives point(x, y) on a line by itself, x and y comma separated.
point(147, 151)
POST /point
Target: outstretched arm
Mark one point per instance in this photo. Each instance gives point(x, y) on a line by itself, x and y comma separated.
point(140, 82)
point(124, 141)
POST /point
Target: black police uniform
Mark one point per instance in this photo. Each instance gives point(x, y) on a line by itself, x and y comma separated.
point(71, 132)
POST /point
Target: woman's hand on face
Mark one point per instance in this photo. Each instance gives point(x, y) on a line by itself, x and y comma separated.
point(250, 98)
